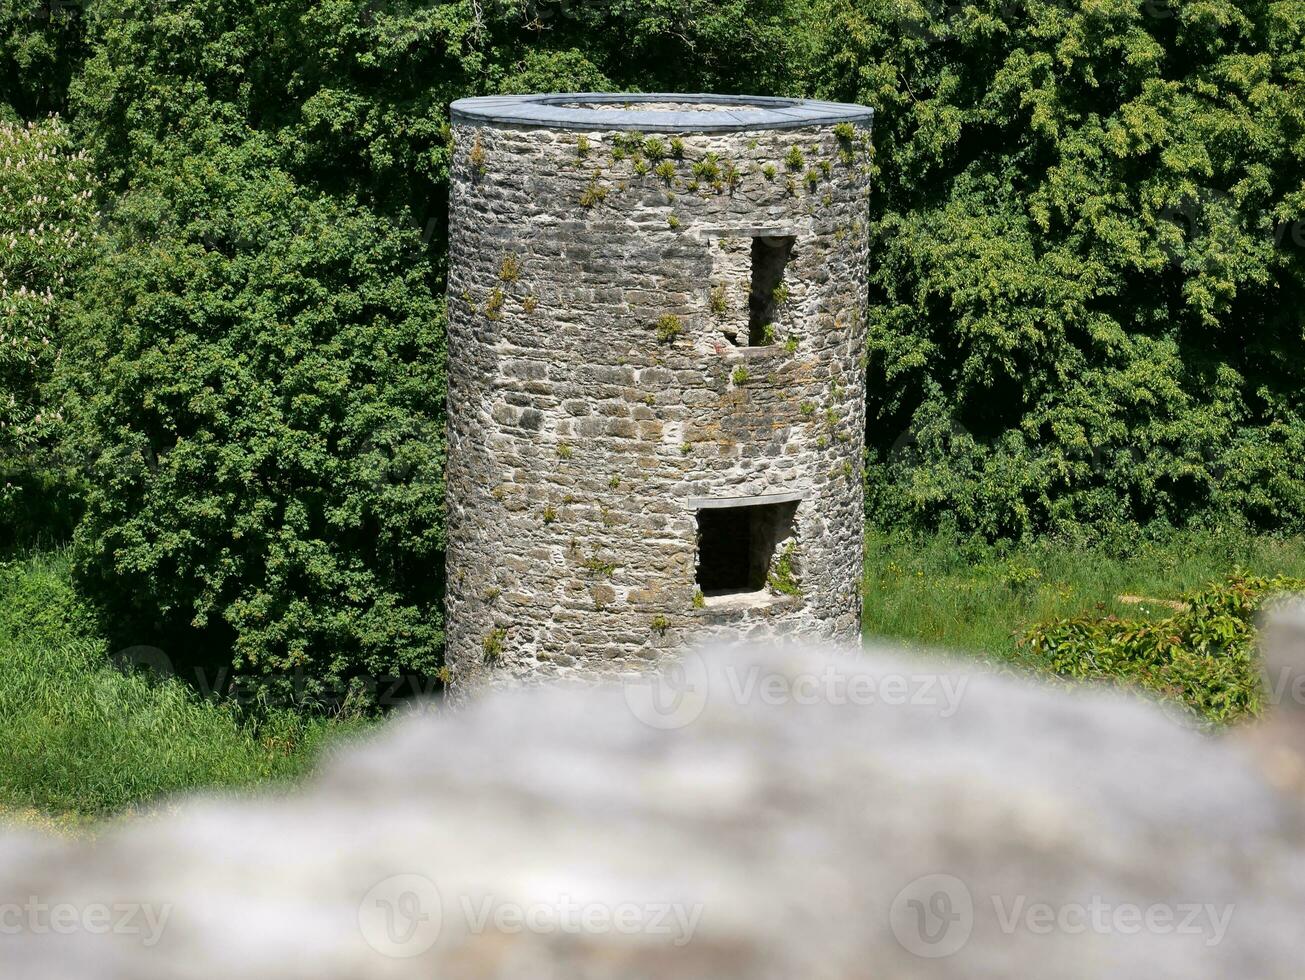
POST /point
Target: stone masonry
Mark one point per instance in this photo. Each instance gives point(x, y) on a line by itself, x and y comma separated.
point(656, 391)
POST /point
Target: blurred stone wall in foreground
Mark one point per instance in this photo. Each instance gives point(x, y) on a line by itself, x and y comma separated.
point(753, 814)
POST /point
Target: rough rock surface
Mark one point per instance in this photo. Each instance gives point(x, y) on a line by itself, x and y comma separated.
point(755, 814)
point(584, 424)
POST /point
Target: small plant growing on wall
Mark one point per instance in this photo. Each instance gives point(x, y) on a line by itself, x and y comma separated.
point(478, 158)
point(783, 572)
point(582, 146)
point(529, 304)
point(666, 171)
point(677, 148)
point(669, 328)
point(846, 134)
point(673, 222)
point(564, 450)
point(795, 160)
point(740, 375)
point(718, 301)
point(708, 169)
point(769, 171)
point(699, 600)
point(598, 568)
point(492, 644)
point(627, 144)
point(654, 148)
point(594, 194)
point(510, 269)
point(494, 305)
point(660, 624)
point(550, 514)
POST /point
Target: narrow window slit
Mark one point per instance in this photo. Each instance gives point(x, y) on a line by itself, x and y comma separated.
point(770, 256)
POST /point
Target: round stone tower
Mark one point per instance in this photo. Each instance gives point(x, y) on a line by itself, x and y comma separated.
point(656, 390)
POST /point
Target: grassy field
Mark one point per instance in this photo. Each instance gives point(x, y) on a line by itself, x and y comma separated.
point(929, 593)
point(84, 741)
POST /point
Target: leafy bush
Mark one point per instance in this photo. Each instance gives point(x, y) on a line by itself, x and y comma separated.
point(46, 227)
point(1203, 657)
point(258, 389)
point(1088, 260)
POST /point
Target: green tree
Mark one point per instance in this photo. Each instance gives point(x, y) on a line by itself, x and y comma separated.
point(42, 43)
point(1087, 259)
point(258, 388)
point(46, 229)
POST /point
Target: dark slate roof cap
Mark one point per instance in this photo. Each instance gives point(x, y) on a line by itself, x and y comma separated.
point(736, 113)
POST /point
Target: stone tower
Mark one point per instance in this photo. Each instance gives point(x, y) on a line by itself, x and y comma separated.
point(656, 378)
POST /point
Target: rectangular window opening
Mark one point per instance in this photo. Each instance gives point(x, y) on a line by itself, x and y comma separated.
point(737, 544)
point(770, 257)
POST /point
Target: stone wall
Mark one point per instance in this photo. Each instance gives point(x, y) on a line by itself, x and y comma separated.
point(598, 297)
point(792, 816)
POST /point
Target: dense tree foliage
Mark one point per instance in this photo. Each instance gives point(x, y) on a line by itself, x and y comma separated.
point(41, 46)
point(1088, 262)
point(263, 422)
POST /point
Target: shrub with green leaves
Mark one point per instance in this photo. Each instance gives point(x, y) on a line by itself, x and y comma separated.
point(1204, 657)
point(258, 389)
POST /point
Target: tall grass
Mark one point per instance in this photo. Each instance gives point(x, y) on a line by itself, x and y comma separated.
point(82, 739)
point(932, 592)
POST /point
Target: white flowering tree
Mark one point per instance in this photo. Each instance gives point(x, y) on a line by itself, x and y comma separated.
point(47, 210)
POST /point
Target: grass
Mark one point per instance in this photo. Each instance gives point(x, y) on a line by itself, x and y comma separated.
point(84, 740)
point(930, 593)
